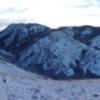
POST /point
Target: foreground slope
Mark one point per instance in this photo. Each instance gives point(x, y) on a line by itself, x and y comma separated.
point(13, 71)
point(16, 84)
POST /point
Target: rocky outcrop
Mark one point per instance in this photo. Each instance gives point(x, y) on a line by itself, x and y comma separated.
point(6, 56)
point(17, 37)
point(66, 52)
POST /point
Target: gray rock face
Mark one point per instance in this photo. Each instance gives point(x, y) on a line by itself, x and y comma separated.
point(17, 37)
point(90, 63)
point(55, 55)
point(69, 52)
point(95, 42)
point(6, 56)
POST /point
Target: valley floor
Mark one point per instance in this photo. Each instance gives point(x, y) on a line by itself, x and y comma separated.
point(12, 88)
point(16, 84)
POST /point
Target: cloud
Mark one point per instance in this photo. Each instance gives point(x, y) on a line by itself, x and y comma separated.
point(83, 5)
point(53, 13)
point(12, 10)
point(5, 22)
point(93, 15)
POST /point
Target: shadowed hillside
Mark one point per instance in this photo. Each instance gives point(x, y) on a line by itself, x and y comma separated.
point(66, 52)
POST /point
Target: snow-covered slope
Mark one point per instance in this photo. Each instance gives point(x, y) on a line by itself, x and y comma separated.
point(66, 52)
point(8, 69)
point(16, 84)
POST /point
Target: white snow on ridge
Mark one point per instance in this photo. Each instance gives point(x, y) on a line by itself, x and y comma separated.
point(87, 31)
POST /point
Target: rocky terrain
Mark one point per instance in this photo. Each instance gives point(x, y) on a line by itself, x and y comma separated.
point(66, 52)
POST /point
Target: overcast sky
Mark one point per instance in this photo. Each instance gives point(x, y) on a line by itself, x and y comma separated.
point(53, 13)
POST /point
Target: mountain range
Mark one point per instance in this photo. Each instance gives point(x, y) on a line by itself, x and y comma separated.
point(61, 53)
